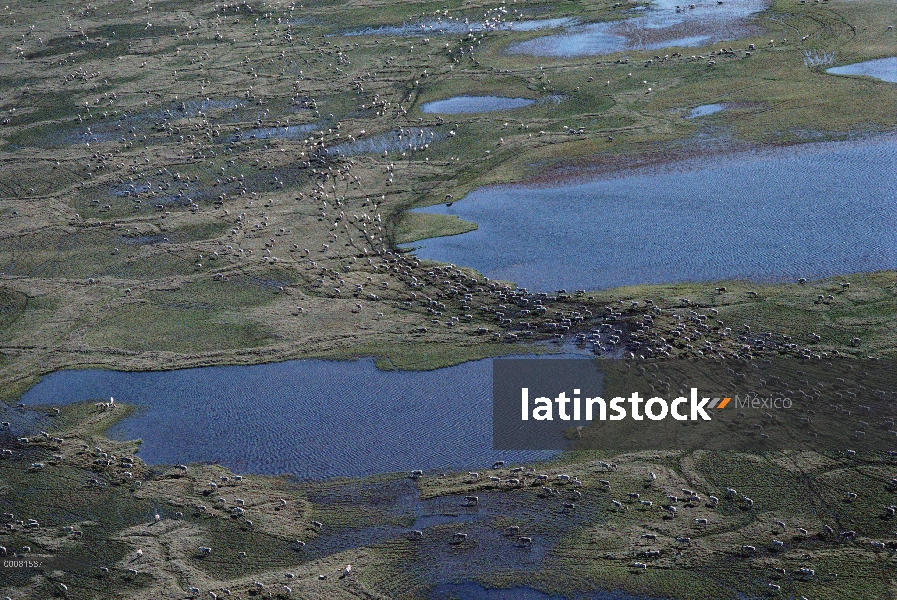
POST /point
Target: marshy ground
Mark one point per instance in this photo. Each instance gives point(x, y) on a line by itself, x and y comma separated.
point(110, 526)
point(189, 184)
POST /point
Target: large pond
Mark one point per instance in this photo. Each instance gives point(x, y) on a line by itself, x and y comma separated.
point(811, 210)
point(664, 23)
point(882, 68)
point(311, 418)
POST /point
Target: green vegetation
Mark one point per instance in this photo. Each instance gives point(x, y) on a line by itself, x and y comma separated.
point(420, 226)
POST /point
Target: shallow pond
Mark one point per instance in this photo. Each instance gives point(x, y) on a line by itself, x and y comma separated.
point(311, 418)
point(474, 104)
point(130, 126)
point(130, 189)
point(285, 132)
point(403, 140)
point(812, 210)
point(664, 24)
point(882, 68)
point(705, 110)
point(21, 422)
point(455, 26)
point(453, 570)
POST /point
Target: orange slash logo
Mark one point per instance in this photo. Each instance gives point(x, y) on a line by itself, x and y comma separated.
point(719, 404)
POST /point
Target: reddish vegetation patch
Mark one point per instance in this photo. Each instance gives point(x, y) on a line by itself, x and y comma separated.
point(655, 154)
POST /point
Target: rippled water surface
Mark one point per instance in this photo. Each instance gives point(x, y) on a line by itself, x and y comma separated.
point(311, 418)
point(882, 68)
point(469, 590)
point(812, 210)
point(661, 25)
point(474, 104)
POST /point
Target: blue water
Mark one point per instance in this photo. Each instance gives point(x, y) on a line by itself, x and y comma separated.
point(469, 590)
point(119, 129)
point(705, 110)
point(289, 131)
point(882, 68)
point(474, 104)
point(311, 418)
point(192, 108)
point(22, 421)
point(660, 26)
point(131, 189)
point(402, 140)
point(812, 211)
